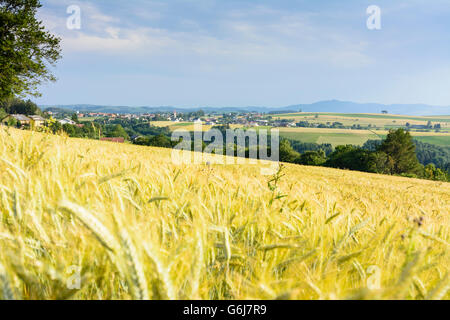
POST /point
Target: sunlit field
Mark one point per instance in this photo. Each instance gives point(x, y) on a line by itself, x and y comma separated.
point(188, 126)
point(337, 137)
point(137, 226)
point(364, 119)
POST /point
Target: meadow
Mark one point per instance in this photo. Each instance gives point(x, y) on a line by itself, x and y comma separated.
point(136, 226)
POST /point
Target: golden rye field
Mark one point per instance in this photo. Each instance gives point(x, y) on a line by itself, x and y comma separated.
point(141, 227)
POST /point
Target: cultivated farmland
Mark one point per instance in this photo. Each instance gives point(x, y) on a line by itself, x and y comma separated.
point(356, 137)
point(134, 225)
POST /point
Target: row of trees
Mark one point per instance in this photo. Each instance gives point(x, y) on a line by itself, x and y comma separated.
point(90, 130)
point(27, 49)
point(428, 153)
point(396, 155)
point(27, 52)
point(134, 128)
point(18, 106)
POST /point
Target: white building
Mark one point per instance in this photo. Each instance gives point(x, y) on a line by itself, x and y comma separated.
point(66, 121)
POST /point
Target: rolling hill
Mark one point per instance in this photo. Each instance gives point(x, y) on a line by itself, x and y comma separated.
point(352, 107)
point(323, 106)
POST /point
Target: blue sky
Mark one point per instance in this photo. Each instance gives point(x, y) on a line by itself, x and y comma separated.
point(239, 53)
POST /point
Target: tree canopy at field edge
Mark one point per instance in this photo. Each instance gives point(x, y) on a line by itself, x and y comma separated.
point(27, 49)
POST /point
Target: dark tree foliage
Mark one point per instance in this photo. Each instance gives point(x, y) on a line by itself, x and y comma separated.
point(63, 113)
point(349, 157)
point(18, 106)
point(27, 49)
point(306, 124)
point(428, 153)
point(379, 162)
point(196, 114)
point(433, 173)
point(400, 147)
point(74, 118)
point(302, 147)
point(135, 127)
point(3, 113)
point(90, 131)
point(372, 145)
point(116, 131)
point(70, 130)
point(312, 158)
point(287, 153)
point(156, 141)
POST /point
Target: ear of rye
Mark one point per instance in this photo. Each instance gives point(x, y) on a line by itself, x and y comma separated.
point(101, 233)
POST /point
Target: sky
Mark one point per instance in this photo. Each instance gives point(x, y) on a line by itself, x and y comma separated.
point(275, 53)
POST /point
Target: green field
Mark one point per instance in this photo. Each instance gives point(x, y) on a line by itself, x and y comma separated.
point(359, 137)
point(336, 139)
point(438, 140)
point(380, 121)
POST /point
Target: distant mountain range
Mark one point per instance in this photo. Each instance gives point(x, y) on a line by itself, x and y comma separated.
point(334, 106)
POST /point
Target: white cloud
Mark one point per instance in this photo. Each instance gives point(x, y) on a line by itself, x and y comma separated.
point(116, 41)
point(277, 52)
point(256, 35)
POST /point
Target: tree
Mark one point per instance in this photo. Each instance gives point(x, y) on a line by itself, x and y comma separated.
point(69, 129)
point(3, 113)
point(349, 157)
point(118, 131)
point(54, 125)
point(426, 153)
point(160, 141)
point(12, 122)
point(372, 145)
point(379, 162)
point(18, 106)
point(27, 49)
point(302, 147)
point(429, 153)
point(312, 158)
point(156, 141)
point(433, 173)
point(75, 118)
point(399, 146)
point(287, 153)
